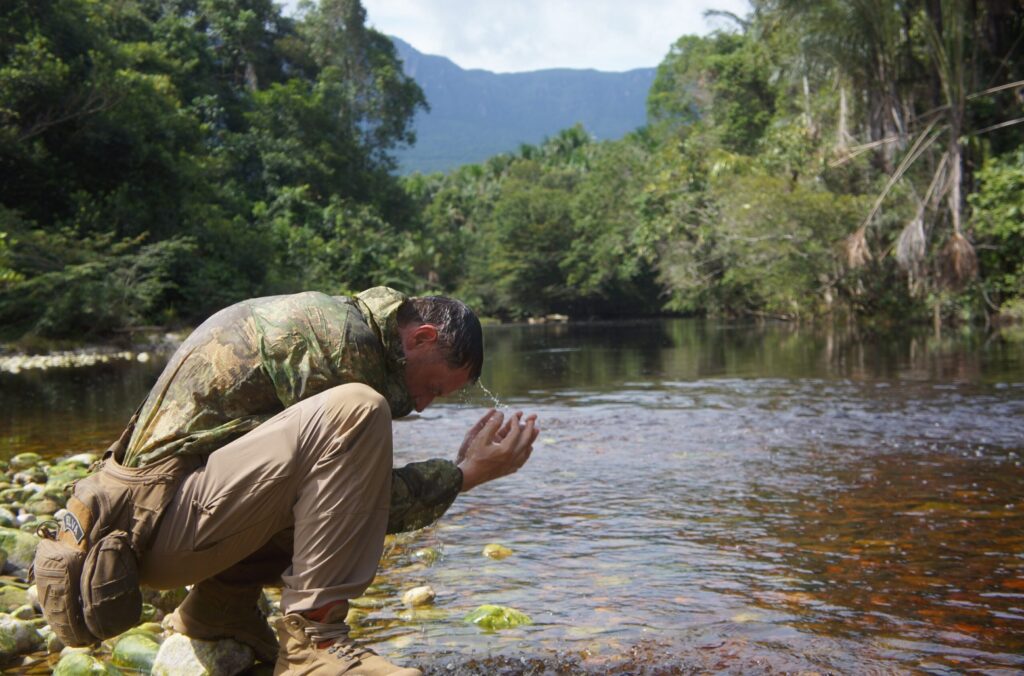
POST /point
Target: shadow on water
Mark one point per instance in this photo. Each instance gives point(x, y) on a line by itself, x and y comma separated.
point(727, 498)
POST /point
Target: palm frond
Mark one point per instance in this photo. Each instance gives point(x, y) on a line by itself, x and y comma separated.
point(910, 245)
point(856, 249)
point(959, 262)
point(924, 140)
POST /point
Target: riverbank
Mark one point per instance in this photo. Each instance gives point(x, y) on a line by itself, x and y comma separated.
point(18, 357)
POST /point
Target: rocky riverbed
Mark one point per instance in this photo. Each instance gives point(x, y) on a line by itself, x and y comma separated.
point(33, 493)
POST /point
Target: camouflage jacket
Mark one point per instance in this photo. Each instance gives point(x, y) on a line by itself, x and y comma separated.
point(253, 359)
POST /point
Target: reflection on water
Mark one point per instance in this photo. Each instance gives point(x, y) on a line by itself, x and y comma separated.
point(703, 498)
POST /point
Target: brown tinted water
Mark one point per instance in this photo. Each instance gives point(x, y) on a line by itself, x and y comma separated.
point(704, 498)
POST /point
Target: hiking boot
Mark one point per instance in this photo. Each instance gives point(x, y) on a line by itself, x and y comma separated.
point(301, 656)
point(213, 610)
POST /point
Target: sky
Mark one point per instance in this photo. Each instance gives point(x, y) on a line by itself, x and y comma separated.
point(508, 36)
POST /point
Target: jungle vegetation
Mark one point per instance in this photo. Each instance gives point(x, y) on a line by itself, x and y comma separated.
point(160, 159)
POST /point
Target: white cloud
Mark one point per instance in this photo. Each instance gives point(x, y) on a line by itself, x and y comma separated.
point(521, 35)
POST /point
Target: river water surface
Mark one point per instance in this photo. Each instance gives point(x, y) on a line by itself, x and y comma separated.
point(725, 498)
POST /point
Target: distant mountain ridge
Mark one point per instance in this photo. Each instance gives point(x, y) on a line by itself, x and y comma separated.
point(475, 114)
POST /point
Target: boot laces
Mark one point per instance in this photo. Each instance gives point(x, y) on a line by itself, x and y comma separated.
point(349, 650)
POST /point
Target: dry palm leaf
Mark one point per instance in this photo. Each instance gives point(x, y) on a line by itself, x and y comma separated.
point(959, 262)
point(910, 246)
point(856, 248)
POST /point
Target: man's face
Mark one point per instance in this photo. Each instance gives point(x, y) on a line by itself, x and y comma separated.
point(427, 374)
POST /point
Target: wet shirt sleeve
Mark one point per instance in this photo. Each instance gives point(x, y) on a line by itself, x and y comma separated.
point(421, 492)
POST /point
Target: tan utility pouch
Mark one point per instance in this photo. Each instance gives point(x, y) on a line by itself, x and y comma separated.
point(111, 599)
point(58, 569)
point(88, 576)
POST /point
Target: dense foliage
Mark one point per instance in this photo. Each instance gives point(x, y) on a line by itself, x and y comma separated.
point(826, 157)
point(162, 158)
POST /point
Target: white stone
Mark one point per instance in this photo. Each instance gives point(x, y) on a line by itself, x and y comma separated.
point(419, 596)
point(183, 656)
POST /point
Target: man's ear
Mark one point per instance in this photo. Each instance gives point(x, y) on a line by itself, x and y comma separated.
point(425, 334)
point(422, 335)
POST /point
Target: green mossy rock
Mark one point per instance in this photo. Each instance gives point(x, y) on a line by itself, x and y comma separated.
point(81, 460)
point(32, 475)
point(80, 664)
point(12, 597)
point(136, 651)
point(25, 635)
point(61, 475)
point(24, 461)
point(151, 629)
point(496, 552)
point(12, 495)
point(355, 616)
point(20, 548)
point(25, 612)
point(495, 618)
point(53, 643)
point(8, 648)
point(41, 504)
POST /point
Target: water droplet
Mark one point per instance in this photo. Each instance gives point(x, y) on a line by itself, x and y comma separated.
point(490, 395)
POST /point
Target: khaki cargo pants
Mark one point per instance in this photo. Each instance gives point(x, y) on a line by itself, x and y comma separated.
point(320, 470)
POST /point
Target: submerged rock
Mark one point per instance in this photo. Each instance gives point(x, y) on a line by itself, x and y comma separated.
point(83, 664)
point(180, 655)
point(494, 618)
point(368, 602)
point(135, 651)
point(427, 555)
point(421, 614)
point(496, 552)
point(355, 616)
point(20, 548)
point(419, 596)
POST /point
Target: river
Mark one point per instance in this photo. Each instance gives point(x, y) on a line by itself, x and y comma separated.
point(704, 497)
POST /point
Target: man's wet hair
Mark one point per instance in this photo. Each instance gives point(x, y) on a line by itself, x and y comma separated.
point(458, 329)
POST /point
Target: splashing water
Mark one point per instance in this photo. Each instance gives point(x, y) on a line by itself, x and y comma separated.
point(496, 403)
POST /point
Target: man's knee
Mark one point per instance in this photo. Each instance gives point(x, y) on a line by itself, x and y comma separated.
point(356, 399)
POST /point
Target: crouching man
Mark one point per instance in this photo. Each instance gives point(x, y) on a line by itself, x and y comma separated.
point(288, 402)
